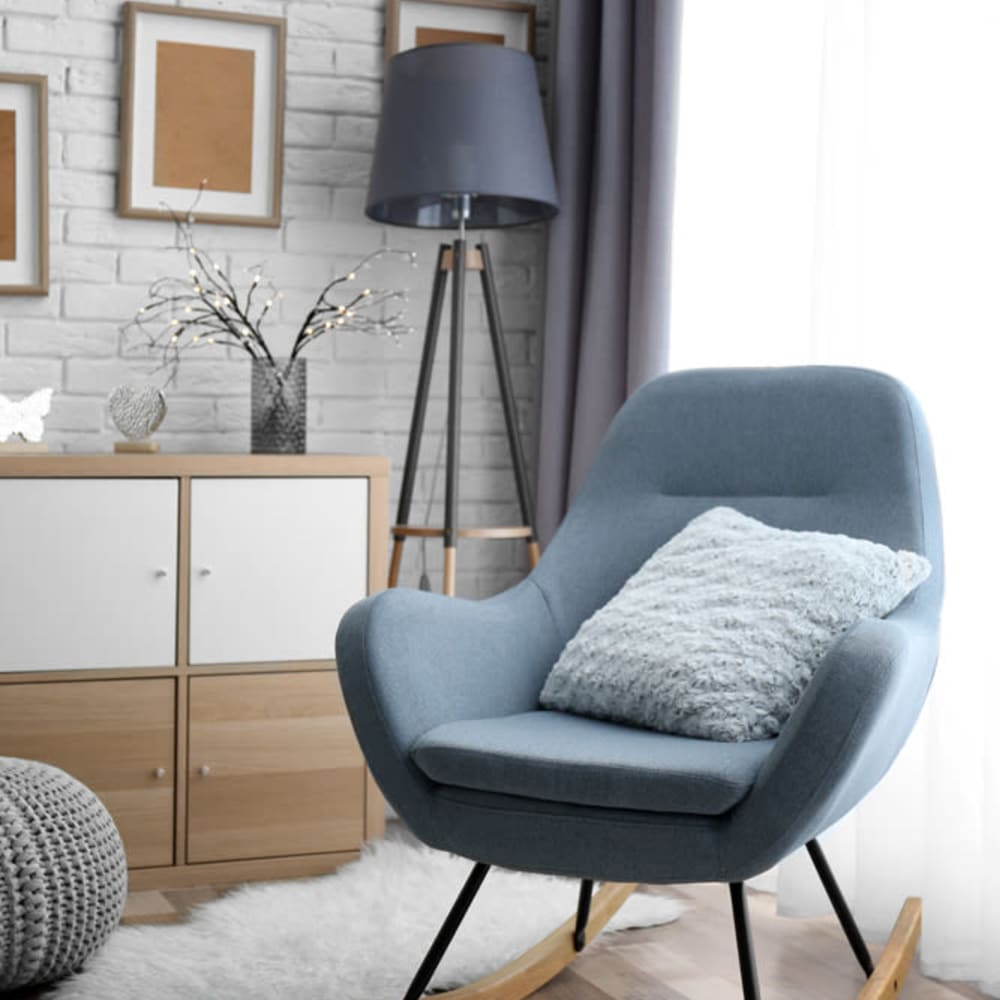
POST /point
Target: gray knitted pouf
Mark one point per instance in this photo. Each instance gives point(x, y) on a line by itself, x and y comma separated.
point(62, 873)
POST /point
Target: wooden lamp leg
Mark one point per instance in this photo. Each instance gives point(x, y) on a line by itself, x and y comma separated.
point(454, 432)
point(397, 559)
point(502, 365)
point(449, 571)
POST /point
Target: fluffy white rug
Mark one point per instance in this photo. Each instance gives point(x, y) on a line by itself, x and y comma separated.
point(358, 934)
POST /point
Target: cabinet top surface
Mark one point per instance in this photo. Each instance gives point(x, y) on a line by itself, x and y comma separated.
point(172, 465)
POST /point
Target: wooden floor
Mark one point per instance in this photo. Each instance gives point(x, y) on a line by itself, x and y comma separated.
point(692, 959)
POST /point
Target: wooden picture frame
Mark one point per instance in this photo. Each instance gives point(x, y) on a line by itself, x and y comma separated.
point(24, 184)
point(203, 97)
point(411, 23)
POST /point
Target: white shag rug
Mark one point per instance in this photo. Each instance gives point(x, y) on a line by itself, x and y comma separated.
point(358, 934)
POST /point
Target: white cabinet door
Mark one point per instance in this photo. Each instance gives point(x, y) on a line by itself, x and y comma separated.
point(275, 563)
point(88, 573)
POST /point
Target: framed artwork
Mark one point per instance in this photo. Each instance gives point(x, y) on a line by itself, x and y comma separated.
point(412, 23)
point(24, 186)
point(203, 96)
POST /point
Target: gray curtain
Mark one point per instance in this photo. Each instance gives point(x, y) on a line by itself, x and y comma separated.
point(607, 303)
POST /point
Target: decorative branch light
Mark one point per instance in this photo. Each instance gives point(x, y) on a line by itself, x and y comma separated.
point(206, 309)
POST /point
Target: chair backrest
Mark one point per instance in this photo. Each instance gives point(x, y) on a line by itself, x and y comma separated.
point(812, 448)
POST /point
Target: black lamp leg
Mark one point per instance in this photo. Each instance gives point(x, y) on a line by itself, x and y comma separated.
point(507, 396)
point(444, 936)
point(840, 907)
point(419, 411)
point(744, 943)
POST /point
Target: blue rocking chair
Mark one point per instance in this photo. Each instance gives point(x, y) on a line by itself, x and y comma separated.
point(443, 692)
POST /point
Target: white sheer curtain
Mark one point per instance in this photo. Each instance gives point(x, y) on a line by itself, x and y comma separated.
point(838, 201)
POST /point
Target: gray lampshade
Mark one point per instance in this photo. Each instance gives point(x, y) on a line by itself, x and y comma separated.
point(461, 119)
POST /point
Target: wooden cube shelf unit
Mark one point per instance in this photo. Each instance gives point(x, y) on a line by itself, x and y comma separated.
point(166, 636)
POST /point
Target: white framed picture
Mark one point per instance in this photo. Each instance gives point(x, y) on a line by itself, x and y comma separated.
point(412, 23)
point(203, 96)
point(24, 190)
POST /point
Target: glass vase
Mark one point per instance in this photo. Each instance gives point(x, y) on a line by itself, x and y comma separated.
point(278, 407)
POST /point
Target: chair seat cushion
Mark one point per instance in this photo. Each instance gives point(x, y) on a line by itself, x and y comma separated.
point(566, 758)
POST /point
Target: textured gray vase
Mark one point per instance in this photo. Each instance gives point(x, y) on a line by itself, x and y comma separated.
point(62, 873)
point(278, 407)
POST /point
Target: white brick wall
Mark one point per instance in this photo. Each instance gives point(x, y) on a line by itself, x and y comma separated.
point(360, 388)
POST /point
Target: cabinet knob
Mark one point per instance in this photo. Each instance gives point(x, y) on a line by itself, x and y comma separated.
point(205, 571)
point(160, 772)
point(159, 573)
point(204, 770)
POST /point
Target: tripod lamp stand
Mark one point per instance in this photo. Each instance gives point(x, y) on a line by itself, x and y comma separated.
point(461, 144)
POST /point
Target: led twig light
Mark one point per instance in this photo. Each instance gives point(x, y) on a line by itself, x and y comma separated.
point(205, 309)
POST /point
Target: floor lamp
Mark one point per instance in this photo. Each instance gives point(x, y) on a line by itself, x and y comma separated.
point(461, 145)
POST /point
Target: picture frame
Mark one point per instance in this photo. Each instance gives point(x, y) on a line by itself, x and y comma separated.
point(411, 23)
point(203, 97)
point(24, 184)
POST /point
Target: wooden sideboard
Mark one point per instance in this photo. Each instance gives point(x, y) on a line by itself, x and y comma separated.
point(166, 636)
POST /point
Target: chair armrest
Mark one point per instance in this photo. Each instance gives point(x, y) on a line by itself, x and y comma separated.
point(840, 740)
point(410, 660)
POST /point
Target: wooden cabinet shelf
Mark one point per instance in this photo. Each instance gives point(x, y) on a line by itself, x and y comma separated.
point(167, 638)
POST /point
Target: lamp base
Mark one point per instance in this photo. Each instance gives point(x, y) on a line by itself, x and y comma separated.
point(456, 259)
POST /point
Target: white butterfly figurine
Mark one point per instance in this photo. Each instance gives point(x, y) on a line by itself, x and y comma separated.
point(26, 416)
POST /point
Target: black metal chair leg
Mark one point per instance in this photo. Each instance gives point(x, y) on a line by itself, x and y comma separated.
point(444, 936)
point(583, 914)
point(840, 907)
point(744, 943)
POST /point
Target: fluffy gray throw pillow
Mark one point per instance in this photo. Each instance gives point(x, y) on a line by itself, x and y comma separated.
point(720, 630)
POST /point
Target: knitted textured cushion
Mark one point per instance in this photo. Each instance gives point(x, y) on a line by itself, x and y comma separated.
point(720, 630)
point(62, 873)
